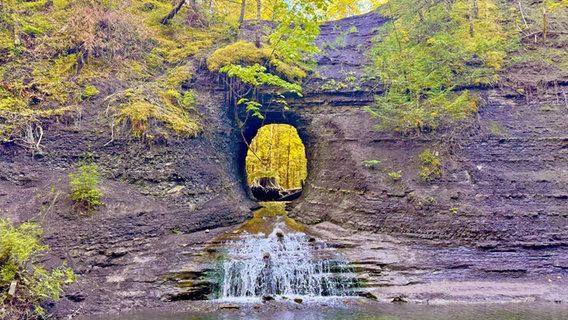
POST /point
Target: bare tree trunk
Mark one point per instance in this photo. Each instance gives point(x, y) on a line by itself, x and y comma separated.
point(242, 16)
point(278, 154)
point(544, 24)
point(257, 39)
point(270, 149)
point(394, 28)
point(470, 5)
point(288, 186)
point(172, 13)
point(475, 9)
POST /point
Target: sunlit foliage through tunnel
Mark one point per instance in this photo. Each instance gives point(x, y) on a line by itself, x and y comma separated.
point(276, 163)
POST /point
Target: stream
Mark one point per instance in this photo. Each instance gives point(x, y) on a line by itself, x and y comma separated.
point(375, 312)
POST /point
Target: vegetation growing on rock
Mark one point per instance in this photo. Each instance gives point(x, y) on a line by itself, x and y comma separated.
point(24, 283)
point(431, 53)
point(431, 166)
point(84, 187)
point(428, 51)
point(62, 57)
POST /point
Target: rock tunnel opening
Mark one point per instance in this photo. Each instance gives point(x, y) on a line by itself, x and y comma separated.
point(276, 163)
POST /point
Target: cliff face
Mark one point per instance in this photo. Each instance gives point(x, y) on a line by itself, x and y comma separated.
point(159, 200)
point(503, 182)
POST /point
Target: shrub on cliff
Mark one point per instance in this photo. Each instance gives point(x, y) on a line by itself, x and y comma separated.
point(85, 191)
point(24, 283)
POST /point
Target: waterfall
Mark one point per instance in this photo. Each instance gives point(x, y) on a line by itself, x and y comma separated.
point(282, 264)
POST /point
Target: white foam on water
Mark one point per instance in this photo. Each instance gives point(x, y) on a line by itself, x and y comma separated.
point(291, 265)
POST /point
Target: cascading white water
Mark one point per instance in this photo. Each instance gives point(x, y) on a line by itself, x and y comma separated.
point(282, 264)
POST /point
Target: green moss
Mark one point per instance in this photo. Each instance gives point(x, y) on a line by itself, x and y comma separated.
point(188, 100)
point(52, 79)
point(497, 129)
point(264, 218)
point(242, 52)
point(13, 105)
point(6, 39)
point(171, 111)
point(33, 5)
point(60, 4)
point(89, 92)
point(36, 25)
point(289, 71)
point(180, 55)
point(154, 60)
point(395, 175)
point(136, 114)
point(178, 76)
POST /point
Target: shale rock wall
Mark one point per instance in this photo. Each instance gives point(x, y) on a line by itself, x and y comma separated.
point(160, 199)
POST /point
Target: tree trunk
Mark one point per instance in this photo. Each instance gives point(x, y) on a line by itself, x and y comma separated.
point(288, 162)
point(544, 24)
point(172, 13)
point(266, 189)
point(258, 25)
point(242, 16)
point(470, 5)
point(270, 149)
point(475, 9)
point(394, 28)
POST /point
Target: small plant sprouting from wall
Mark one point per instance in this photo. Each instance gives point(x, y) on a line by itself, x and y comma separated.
point(431, 166)
point(431, 200)
point(84, 187)
point(371, 164)
point(395, 175)
point(496, 129)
